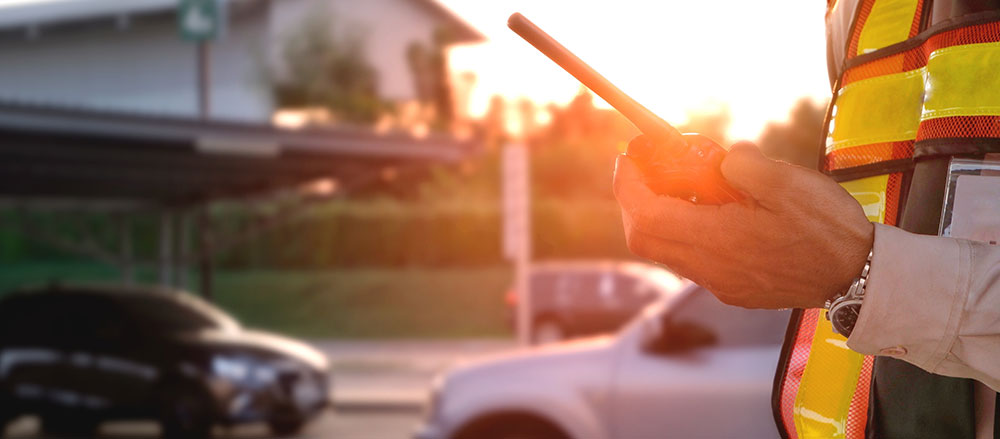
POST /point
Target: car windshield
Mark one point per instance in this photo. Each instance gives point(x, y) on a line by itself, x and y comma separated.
point(729, 325)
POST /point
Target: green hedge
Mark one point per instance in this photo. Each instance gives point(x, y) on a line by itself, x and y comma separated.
point(400, 235)
point(349, 234)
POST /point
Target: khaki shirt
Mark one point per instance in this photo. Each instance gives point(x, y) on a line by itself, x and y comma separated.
point(935, 302)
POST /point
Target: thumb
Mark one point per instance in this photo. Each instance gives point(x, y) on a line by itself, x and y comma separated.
point(746, 169)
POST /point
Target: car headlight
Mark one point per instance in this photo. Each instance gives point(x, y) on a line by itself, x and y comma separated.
point(233, 369)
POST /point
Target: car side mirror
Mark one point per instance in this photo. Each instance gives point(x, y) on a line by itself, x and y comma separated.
point(679, 337)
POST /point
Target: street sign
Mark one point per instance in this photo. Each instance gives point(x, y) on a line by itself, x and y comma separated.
point(200, 20)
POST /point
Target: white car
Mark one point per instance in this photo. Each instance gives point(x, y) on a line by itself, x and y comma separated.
point(688, 367)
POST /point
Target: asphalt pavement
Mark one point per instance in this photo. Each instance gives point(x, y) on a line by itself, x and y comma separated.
point(379, 390)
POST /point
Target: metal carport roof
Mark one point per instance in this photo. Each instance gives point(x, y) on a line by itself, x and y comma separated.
point(49, 152)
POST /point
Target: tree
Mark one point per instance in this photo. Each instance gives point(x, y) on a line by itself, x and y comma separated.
point(798, 141)
point(327, 68)
point(430, 75)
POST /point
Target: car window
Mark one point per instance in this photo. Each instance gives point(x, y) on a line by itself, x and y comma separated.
point(633, 290)
point(24, 315)
point(731, 325)
point(46, 316)
point(163, 314)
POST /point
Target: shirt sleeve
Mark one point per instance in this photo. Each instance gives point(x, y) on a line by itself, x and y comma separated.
point(933, 302)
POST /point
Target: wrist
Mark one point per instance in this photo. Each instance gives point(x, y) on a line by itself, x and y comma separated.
point(856, 252)
point(844, 310)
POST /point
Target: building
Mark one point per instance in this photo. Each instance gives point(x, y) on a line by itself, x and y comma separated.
point(99, 112)
point(128, 55)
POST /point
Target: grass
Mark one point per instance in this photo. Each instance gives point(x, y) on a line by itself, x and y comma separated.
point(363, 303)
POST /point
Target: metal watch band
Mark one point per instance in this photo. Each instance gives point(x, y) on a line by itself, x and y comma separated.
point(846, 307)
point(857, 288)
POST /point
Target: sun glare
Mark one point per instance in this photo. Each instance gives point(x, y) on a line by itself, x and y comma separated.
point(675, 57)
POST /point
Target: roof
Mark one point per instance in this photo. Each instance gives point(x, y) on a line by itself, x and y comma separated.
point(466, 33)
point(64, 153)
point(49, 12)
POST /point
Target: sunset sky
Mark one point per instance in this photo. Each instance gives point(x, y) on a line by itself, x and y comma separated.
point(673, 56)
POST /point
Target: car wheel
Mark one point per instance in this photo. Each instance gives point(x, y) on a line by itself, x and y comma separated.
point(68, 426)
point(186, 413)
point(286, 427)
point(511, 427)
point(546, 332)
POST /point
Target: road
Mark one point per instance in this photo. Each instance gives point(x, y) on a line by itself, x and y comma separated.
point(350, 424)
point(380, 388)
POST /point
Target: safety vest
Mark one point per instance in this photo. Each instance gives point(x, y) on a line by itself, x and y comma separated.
point(914, 82)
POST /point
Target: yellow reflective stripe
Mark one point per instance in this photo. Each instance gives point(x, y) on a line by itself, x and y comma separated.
point(877, 110)
point(831, 374)
point(870, 193)
point(827, 385)
point(888, 23)
point(963, 81)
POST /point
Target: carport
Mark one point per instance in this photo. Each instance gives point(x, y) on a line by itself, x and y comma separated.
point(68, 160)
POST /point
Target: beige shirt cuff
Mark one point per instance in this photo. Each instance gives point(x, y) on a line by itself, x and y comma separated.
point(933, 302)
point(914, 298)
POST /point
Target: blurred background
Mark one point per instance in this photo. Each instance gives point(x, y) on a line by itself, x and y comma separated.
point(394, 186)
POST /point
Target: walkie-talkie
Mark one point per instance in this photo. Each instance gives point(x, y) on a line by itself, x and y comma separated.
point(679, 165)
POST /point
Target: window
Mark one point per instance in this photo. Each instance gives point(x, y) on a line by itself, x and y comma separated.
point(732, 325)
point(163, 314)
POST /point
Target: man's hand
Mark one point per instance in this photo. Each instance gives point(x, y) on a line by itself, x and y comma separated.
point(797, 239)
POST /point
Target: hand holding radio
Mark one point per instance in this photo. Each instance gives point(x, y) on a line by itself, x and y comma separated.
point(756, 232)
point(795, 239)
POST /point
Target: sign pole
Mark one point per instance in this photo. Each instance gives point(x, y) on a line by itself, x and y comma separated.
point(517, 232)
point(200, 22)
point(204, 79)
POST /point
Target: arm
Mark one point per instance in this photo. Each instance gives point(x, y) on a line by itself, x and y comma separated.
point(933, 302)
point(799, 239)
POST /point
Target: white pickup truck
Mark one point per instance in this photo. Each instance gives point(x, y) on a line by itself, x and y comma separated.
point(688, 367)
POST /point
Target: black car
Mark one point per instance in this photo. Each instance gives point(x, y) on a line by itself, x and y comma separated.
point(76, 356)
point(573, 299)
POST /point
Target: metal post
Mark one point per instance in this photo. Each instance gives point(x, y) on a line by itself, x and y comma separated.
point(182, 257)
point(517, 231)
point(204, 79)
point(205, 253)
point(125, 243)
point(166, 247)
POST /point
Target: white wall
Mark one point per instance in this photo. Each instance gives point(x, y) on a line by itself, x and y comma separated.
point(144, 67)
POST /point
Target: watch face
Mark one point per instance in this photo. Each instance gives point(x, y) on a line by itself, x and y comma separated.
point(843, 318)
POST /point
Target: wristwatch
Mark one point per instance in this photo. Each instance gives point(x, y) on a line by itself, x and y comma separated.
point(842, 311)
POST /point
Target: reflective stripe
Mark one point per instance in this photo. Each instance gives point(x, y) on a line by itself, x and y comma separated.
point(823, 401)
point(963, 81)
point(877, 110)
point(871, 194)
point(888, 23)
